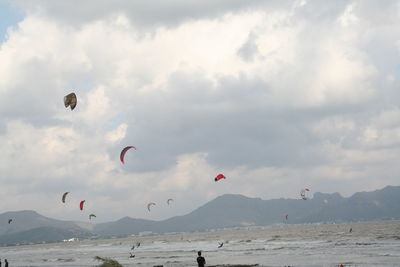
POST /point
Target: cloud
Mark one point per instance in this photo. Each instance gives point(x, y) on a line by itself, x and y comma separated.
point(249, 49)
point(276, 96)
point(147, 14)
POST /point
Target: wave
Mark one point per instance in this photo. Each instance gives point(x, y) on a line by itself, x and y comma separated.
point(395, 237)
point(365, 244)
point(66, 260)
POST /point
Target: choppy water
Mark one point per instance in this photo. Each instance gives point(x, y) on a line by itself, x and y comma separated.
point(370, 244)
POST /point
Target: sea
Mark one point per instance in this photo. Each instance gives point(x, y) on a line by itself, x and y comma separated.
point(368, 244)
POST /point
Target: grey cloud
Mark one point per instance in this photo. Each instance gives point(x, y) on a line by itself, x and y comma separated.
point(380, 13)
point(235, 123)
point(320, 11)
point(249, 49)
point(143, 13)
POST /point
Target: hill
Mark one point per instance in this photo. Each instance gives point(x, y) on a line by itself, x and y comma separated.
point(238, 211)
point(222, 212)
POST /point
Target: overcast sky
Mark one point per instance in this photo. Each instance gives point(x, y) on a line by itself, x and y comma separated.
point(277, 95)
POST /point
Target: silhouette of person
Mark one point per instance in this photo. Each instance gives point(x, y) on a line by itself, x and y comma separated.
point(5, 263)
point(200, 260)
point(0, 262)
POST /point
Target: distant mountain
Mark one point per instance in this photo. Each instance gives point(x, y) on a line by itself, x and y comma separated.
point(363, 206)
point(28, 226)
point(224, 211)
point(42, 234)
point(238, 211)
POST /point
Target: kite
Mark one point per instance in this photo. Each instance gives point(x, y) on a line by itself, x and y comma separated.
point(70, 100)
point(81, 204)
point(123, 152)
point(150, 204)
point(219, 177)
point(169, 200)
point(91, 215)
point(64, 196)
point(303, 193)
point(9, 221)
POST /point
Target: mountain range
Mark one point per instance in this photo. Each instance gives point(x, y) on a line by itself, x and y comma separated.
point(224, 211)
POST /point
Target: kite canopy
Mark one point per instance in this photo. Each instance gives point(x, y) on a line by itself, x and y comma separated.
point(303, 193)
point(219, 177)
point(91, 215)
point(150, 204)
point(9, 221)
point(169, 200)
point(70, 100)
point(64, 196)
point(81, 204)
point(123, 152)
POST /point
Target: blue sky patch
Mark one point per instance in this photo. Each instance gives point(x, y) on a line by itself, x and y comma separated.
point(10, 15)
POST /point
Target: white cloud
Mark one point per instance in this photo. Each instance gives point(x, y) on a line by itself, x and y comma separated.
point(117, 134)
point(348, 17)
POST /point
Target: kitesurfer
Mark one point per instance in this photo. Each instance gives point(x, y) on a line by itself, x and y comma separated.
point(220, 244)
point(351, 230)
point(131, 256)
point(200, 260)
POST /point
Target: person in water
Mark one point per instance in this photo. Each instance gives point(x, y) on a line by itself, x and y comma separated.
point(200, 260)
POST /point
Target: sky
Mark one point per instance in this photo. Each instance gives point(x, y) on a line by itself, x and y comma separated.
point(277, 95)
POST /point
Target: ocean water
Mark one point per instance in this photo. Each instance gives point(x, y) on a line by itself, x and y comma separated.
point(369, 244)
